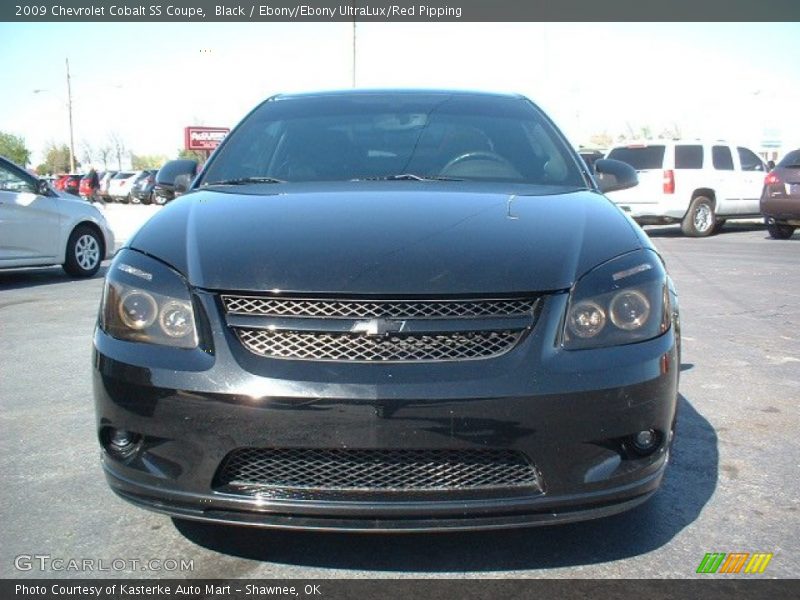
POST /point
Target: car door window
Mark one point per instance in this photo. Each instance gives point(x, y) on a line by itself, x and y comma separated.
point(749, 160)
point(11, 181)
point(688, 156)
point(721, 158)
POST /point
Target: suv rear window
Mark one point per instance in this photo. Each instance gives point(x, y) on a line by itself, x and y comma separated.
point(689, 156)
point(722, 159)
point(791, 160)
point(640, 158)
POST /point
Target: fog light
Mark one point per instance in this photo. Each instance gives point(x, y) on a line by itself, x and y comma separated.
point(121, 438)
point(645, 440)
point(122, 442)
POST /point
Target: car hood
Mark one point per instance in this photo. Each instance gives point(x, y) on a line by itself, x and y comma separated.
point(420, 240)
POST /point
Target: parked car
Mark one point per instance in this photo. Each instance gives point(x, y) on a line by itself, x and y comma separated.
point(389, 310)
point(72, 183)
point(88, 186)
point(699, 184)
point(142, 190)
point(40, 227)
point(58, 183)
point(119, 188)
point(780, 199)
point(105, 181)
point(165, 189)
point(591, 156)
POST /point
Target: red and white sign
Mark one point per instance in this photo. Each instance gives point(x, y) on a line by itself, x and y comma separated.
point(204, 138)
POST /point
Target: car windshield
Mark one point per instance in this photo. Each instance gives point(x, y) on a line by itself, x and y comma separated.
point(400, 137)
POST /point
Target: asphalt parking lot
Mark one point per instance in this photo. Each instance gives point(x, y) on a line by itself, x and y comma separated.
point(732, 485)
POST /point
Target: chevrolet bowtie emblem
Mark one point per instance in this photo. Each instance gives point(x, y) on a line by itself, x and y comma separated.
point(378, 327)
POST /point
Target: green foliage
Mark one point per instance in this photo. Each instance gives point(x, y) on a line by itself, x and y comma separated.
point(147, 161)
point(13, 148)
point(56, 158)
point(200, 157)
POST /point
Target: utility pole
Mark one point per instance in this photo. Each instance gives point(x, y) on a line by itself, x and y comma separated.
point(71, 136)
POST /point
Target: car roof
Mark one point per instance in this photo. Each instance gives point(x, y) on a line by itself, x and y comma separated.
point(397, 92)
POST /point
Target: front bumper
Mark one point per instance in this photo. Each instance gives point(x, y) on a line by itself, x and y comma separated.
point(566, 411)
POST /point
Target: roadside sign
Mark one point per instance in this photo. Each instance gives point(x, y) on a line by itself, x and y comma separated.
point(204, 138)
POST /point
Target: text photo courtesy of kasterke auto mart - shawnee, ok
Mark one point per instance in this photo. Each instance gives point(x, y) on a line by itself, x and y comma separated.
point(353, 300)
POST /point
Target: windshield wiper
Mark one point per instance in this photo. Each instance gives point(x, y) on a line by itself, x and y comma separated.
point(244, 181)
point(406, 177)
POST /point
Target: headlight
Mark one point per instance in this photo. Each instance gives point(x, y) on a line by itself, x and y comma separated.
point(146, 301)
point(622, 301)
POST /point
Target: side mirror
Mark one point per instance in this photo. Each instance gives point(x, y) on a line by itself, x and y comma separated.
point(177, 175)
point(614, 175)
point(43, 188)
point(182, 183)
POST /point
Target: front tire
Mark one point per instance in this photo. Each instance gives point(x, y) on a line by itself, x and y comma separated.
point(84, 252)
point(700, 219)
point(779, 231)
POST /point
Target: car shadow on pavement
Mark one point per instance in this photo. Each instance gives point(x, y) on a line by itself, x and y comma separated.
point(688, 485)
point(34, 277)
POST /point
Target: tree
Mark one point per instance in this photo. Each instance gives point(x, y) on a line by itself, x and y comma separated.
point(197, 155)
point(147, 161)
point(56, 158)
point(104, 153)
point(671, 132)
point(87, 153)
point(601, 140)
point(117, 147)
point(13, 148)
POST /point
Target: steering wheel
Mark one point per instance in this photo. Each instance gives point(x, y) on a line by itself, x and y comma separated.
point(478, 155)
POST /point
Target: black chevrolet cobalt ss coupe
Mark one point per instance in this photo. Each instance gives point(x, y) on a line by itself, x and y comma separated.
point(389, 310)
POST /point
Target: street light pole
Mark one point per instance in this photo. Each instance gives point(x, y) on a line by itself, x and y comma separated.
point(71, 136)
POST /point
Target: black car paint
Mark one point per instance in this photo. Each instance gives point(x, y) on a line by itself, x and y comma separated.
point(371, 240)
point(571, 411)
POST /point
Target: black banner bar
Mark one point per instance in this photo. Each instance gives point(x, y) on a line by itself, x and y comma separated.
point(398, 10)
point(713, 588)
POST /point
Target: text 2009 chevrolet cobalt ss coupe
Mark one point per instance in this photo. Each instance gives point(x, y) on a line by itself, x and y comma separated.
point(389, 311)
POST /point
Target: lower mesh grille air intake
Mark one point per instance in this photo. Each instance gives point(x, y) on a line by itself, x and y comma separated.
point(344, 469)
point(347, 347)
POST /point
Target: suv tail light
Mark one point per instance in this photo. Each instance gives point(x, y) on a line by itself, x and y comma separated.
point(772, 179)
point(669, 181)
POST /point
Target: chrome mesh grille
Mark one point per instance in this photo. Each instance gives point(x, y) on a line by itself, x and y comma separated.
point(343, 469)
point(378, 330)
point(349, 347)
point(283, 307)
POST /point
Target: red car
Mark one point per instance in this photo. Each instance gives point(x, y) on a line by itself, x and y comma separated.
point(72, 183)
point(89, 185)
point(59, 181)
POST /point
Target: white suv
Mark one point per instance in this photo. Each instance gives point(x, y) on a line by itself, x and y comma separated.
point(697, 184)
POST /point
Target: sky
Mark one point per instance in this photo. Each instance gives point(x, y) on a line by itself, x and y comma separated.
point(146, 82)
